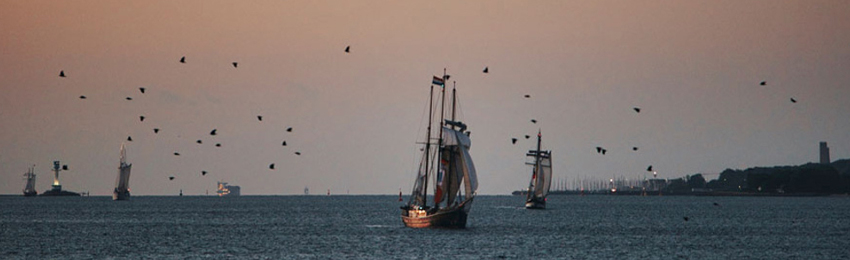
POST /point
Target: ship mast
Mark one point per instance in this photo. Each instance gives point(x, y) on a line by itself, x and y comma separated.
point(428, 145)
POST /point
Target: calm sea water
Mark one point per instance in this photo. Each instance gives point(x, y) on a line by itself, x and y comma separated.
point(369, 227)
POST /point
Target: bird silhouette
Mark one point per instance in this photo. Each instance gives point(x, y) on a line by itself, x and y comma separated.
point(203, 173)
point(793, 100)
point(82, 97)
point(235, 64)
point(284, 143)
point(260, 118)
point(513, 140)
point(62, 73)
point(534, 121)
point(347, 49)
point(213, 132)
point(129, 98)
point(637, 109)
point(297, 153)
point(183, 59)
point(486, 70)
point(289, 129)
point(603, 151)
point(218, 145)
point(649, 169)
point(199, 141)
point(634, 148)
point(156, 130)
point(598, 149)
point(271, 166)
point(527, 96)
point(142, 89)
point(141, 118)
point(176, 154)
point(527, 136)
point(65, 167)
point(763, 83)
point(129, 139)
point(170, 178)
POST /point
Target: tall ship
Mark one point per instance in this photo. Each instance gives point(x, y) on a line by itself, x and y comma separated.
point(29, 187)
point(122, 183)
point(225, 190)
point(446, 163)
point(541, 176)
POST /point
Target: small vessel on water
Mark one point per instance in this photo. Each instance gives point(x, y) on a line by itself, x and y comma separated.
point(29, 187)
point(225, 190)
point(541, 177)
point(122, 186)
point(448, 161)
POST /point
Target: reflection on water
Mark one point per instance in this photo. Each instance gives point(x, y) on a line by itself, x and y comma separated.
point(333, 227)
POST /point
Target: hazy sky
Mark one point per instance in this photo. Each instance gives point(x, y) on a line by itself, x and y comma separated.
point(693, 67)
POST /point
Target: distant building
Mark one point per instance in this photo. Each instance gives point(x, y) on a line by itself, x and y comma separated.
point(824, 153)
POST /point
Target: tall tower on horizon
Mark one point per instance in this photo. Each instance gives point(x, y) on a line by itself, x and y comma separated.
point(824, 153)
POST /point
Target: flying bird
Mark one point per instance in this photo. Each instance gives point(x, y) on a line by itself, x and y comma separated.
point(217, 145)
point(486, 70)
point(62, 73)
point(129, 98)
point(156, 130)
point(649, 169)
point(534, 121)
point(763, 83)
point(284, 143)
point(235, 64)
point(170, 178)
point(603, 151)
point(213, 132)
point(260, 118)
point(289, 129)
point(142, 89)
point(347, 49)
point(634, 148)
point(271, 166)
point(65, 167)
point(793, 100)
point(176, 154)
point(637, 109)
point(513, 140)
point(297, 153)
point(129, 139)
point(203, 173)
point(82, 97)
point(183, 59)
point(199, 141)
point(527, 96)
point(141, 118)
point(598, 149)
point(527, 136)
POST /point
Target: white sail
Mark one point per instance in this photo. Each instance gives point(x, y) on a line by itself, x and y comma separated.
point(29, 187)
point(122, 183)
point(544, 177)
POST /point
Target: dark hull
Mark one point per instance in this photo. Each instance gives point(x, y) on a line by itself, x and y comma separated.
point(536, 203)
point(52, 193)
point(116, 195)
point(30, 194)
point(443, 218)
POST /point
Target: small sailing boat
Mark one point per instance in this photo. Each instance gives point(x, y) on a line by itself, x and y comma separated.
point(447, 160)
point(541, 177)
point(122, 188)
point(29, 187)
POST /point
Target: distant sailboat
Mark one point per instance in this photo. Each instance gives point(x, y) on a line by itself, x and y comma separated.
point(455, 182)
point(29, 187)
point(541, 177)
point(122, 183)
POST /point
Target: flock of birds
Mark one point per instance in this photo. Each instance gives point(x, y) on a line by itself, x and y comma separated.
point(213, 132)
point(599, 149)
